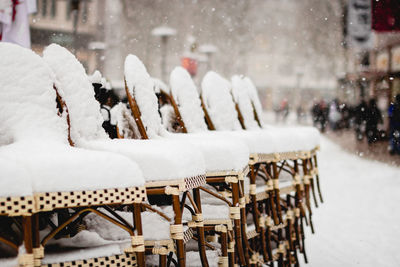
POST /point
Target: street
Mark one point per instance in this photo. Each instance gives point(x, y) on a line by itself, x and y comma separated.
point(358, 224)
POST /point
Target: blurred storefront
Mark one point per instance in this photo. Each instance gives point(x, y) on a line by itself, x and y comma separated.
point(72, 24)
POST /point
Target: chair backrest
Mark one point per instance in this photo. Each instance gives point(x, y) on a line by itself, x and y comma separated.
point(28, 108)
point(217, 99)
point(241, 95)
point(255, 100)
point(187, 100)
point(142, 98)
point(84, 110)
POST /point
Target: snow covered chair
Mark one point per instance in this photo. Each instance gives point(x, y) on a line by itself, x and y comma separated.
point(188, 106)
point(310, 133)
point(65, 181)
point(187, 103)
point(217, 102)
point(226, 160)
point(305, 145)
point(170, 169)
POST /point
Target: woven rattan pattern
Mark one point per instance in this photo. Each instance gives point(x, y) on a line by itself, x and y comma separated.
point(17, 206)
point(50, 201)
point(194, 182)
point(112, 261)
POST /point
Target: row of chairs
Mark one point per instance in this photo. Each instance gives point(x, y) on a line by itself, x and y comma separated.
point(199, 197)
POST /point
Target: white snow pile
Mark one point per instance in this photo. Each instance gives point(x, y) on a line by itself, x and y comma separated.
point(217, 98)
point(358, 223)
point(26, 87)
point(154, 226)
point(96, 77)
point(159, 159)
point(187, 99)
point(173, 160)
point(15, 180)
point(241, 95)
point(160, 86)
point(141, 86)
point(79, 93)
point(253, 94)
point(56, 167)
point(122, 116)
point(38, 141)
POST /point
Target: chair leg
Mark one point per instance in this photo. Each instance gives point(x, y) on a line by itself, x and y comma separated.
point(237, 225)
point(307, 194)
point(137, 219)
point(231, 251)
point(28, 259)
point(200, 231)
point(317, 178)
point(246, 244)
point(224, 248)
point(277, 194)
point(313, 192)
point(180, 246)
point(163, 260)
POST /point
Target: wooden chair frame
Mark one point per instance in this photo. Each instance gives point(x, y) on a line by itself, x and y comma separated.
point(212, 178)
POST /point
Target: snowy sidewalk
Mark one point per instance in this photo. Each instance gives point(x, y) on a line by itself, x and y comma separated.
point(359, 222)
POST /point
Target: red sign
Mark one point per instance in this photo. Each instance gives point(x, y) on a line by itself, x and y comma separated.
point(386, 15)
point(190, 65)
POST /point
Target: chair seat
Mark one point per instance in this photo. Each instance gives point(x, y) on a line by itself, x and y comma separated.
point(15, 180)
point(299, 138)
point(158, 159)
point(55, 167)
point(221, 153)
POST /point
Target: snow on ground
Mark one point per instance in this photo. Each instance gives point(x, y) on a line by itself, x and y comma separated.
point(358, 224)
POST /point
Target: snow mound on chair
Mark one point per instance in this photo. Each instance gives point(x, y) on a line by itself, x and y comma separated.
point(218, 101)
point(26, 87)
point(187, 99)
point(253, 94)
point(141, 87)
point(240, 92)
point(79, 93)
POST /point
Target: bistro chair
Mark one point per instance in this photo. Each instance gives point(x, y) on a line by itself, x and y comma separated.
point(72, 184)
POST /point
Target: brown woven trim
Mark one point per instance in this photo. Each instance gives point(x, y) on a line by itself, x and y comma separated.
point(117, 261)
point(50, 201)
point(17, 206)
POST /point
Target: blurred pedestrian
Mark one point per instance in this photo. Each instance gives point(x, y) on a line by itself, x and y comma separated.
point(360, 117)
point(320, 113)
point(394, 123)
point(334, 114)
point(346, 115)
point(284, 109)
point(373, 118)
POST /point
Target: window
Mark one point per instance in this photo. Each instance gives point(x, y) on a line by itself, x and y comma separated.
point(44, 8)
point(53, 10)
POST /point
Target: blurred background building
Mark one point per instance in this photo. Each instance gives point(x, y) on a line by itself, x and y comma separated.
point(294, 51)
point(75, 24)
